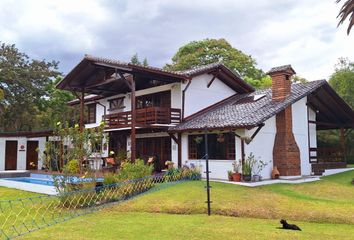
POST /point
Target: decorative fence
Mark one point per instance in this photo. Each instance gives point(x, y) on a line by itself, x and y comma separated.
point(21, 216)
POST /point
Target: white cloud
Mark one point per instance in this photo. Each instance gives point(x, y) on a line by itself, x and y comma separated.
point(302, 32)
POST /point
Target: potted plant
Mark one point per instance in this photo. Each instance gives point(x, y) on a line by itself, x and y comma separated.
point(257, 169)
point(229, 175)
point(247, 167)
point(236, 175)
point(169, 164)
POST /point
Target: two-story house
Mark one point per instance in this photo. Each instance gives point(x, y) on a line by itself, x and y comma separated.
point(153, 112)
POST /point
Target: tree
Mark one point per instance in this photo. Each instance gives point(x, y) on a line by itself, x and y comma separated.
point(347, 10)
point(298, 79)
point(56, 107)
point(342, 80)
point(135, 59)
point(198, 53)
point(24, 82)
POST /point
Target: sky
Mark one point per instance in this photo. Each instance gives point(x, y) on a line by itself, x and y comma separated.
point(302, 33)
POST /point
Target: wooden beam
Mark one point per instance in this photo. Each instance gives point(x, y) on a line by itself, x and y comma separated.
point(125, 80)
point(179, 135)
point(211, 81)
point(133, 121)
point(175, 139)
point(82, 110)
point(323, 123)
point(257, 131)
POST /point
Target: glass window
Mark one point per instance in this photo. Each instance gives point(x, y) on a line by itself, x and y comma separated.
point(91, 113)
point(220, 146)
point(115, 104)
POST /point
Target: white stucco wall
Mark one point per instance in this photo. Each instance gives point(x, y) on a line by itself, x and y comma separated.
point(262, 145)
point(21, 155)
point(300, 130)
point(198, 96)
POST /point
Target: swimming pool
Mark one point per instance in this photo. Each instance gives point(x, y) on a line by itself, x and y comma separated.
point(47, 179)
point(31, 180)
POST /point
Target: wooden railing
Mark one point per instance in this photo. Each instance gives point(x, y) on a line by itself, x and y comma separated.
point(326, 154)
point(144, 117)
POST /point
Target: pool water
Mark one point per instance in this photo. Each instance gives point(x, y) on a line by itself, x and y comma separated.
point(46, 179)
point(32, 180)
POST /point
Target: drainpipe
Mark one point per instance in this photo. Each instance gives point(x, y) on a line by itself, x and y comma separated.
point(183, 97)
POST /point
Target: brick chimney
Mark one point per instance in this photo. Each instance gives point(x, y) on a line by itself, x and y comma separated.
point(286, 153)
point(281, 81)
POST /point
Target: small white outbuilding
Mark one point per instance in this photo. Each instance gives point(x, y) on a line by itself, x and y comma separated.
point(22, 150)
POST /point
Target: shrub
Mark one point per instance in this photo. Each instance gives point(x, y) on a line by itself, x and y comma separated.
point(134, 170)
point(109, 179)
point(72, 167)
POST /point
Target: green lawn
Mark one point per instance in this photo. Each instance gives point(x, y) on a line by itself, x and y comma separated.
point(330, 200)
point(114, 225)
point(13, 194)
point(324, 209)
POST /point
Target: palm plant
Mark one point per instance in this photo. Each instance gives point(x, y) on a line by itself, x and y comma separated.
point(347, 10)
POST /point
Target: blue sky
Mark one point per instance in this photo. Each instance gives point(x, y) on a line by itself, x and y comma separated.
point(303, 33)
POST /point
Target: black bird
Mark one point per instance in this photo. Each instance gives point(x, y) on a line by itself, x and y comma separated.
point(289, 226)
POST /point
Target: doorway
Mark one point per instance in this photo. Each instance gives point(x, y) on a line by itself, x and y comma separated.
point(11, 155)
point(32, 155)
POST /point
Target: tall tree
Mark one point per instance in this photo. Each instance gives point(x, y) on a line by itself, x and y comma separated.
point(197, 53)
point(24, 82)
point(347, 10)
point(135, 59)
point(342, 80)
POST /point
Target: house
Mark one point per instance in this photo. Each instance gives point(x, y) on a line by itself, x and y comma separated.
point(149, 112)
point(22, 150)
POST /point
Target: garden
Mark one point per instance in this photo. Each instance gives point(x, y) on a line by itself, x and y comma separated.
point(323, 209)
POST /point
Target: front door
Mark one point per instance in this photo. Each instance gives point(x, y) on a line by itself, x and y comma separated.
point(11, 155)
point(118, 143)
point(32, 155)
point(158, 147)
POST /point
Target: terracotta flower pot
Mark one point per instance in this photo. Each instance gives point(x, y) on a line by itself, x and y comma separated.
point(275, 173)
point(236, 177)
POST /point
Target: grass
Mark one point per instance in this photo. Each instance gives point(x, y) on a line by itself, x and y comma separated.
point(13, 194)
point(114, 225)
point(324, 209)
point(330, 200)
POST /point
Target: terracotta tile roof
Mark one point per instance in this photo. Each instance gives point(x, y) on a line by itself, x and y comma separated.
point(242, 111)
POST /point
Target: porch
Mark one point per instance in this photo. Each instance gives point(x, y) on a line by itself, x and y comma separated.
point(323, 158)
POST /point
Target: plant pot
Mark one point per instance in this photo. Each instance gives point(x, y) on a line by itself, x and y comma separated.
point(236, 177)
point(230, 177)
point(247, 178)
point(275, 173)
point(256, 178)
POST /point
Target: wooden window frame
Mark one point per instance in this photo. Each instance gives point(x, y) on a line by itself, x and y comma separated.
point(90, 107)
point(229, 147)
point(110, 101)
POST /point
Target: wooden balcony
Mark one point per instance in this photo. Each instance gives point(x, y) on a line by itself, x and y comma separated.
point(145, 117)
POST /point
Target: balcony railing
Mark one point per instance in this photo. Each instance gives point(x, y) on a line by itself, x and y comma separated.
point(144, 117)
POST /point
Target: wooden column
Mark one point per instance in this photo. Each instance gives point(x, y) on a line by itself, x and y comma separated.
point(179, 152)
point(133, 121)
point(82, 110)
point(342, 143)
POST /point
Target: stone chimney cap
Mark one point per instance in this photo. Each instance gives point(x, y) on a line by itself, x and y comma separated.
point(284, 68)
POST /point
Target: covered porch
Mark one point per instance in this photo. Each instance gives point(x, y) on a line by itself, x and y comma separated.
point(333, 117)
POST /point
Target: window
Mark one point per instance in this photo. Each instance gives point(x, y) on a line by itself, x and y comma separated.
point(161, 99)
point(220, 146)
point(115, 104)
point(91, 113)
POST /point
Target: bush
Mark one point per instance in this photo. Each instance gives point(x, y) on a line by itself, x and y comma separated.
point(109, 179)
point(72, 167)
point(133, 170)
